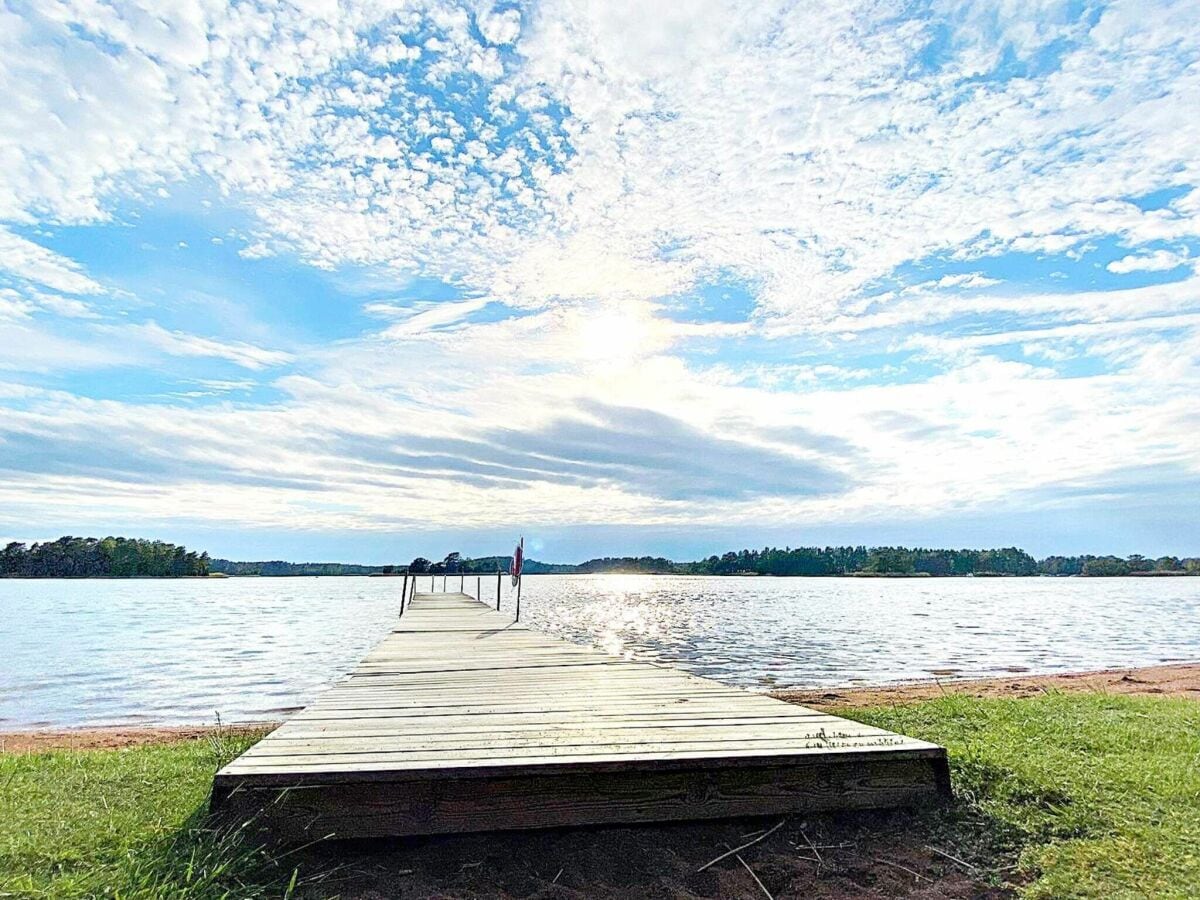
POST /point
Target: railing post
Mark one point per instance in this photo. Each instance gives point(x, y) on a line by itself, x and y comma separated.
point(403, 594)
point(497, 590)
point(518, 618)
point(479, 588)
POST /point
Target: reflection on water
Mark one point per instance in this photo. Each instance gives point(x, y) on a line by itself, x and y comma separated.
point(80, 652)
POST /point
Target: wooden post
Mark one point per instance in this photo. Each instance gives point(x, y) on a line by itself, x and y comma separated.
point(497, 590)
point(403, 594)
point(460, 582)
point(518, 618)
point(479, 588)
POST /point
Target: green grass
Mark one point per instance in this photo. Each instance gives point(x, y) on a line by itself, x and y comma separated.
point(1098, 795)
point(125, 824)
point(1093, 796)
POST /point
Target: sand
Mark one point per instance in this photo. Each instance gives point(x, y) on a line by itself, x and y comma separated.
point(116, 737)
point(1175, 680)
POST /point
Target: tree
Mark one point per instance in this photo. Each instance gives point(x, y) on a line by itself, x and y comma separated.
point(78, 557)
point(1139, 563)
point(419, 566)
point(1105, 566)
point(12, 559)
point(890, 560)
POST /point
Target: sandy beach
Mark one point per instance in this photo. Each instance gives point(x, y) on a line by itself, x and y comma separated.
point(1174, 680)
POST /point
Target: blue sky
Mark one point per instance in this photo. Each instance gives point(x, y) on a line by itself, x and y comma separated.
point(360, 281)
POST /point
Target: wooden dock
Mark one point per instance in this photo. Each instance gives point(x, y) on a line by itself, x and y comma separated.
point(462, 720)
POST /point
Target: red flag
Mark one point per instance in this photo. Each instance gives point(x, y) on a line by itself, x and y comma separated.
point(518, 562)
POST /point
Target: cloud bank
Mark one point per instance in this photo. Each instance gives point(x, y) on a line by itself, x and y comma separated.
point(568, 263)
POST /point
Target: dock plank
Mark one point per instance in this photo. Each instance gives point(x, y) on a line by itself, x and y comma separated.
point(462, 720)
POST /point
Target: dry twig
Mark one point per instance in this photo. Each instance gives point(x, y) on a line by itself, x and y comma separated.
point(895, 865)
point(761, 837)
point(755, 877)
point(812, 847)
point(952, 858)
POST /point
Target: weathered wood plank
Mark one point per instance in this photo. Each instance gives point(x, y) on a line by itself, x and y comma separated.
point(423, 806)
point(552, 743)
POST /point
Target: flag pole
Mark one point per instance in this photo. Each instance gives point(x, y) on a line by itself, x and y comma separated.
point(518, 570)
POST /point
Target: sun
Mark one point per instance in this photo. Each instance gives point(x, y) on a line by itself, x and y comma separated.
point(615, 334)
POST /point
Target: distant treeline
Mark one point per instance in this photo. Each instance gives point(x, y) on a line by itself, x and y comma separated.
point(826, 561)
point(77, 557)
point(116, 556)
point(279, 567)
point(909, 561)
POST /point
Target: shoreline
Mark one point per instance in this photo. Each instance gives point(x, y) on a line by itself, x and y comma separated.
point(1166, 680)
point(1176, 679)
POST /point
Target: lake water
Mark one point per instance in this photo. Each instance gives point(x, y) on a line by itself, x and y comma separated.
point(165, 652)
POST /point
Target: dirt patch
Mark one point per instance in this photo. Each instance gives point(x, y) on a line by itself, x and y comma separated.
point(1175, 680)
point(864, 855)
point(118, 737)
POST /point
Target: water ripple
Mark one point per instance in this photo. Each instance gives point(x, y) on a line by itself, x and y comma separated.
point(173, 652)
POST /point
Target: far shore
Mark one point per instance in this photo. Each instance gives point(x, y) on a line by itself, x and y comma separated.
point(1170, 680)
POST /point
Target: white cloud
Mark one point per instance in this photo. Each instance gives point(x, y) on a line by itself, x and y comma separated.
point(423, 316)
point(1076, 331)
point(731, 136)
point(966, 280)
point(27, 348)
point(14, 306)
point(224, 385)
point(498, 425)
point(1158, 261)
point(925, 308)
point(179, 343)
point(34, 263)
point(500, 27)
point(67, 307)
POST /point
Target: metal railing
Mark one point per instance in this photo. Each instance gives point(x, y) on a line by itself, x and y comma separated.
point(409, 588)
